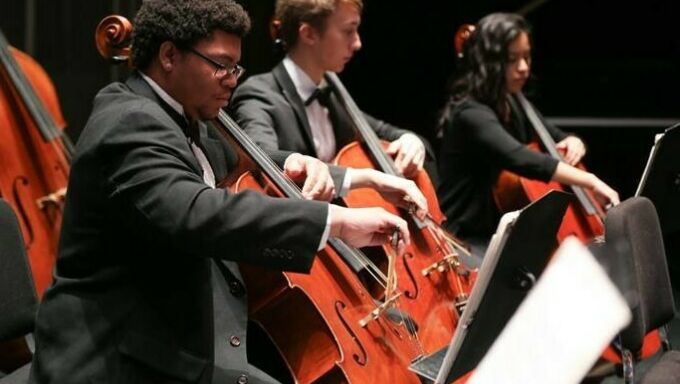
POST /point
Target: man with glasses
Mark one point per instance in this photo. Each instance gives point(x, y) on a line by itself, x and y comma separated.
point(286, 108)
point(221, 70)
point(148, 245)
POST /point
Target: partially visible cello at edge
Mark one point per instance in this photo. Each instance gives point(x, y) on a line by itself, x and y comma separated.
point(34, 157)
point(34, 167)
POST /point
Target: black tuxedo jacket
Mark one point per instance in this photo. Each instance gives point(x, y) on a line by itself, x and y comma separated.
point(142, 237)
point(269, 109)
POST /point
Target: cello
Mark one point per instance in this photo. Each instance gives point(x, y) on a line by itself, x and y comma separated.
point(35, 157)
point(439, 281)
point(315, 319)
point(34, 166)
point(433, 280)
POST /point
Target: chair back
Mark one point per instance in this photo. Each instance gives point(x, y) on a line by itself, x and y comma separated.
point(18, 300)
point(638, 265)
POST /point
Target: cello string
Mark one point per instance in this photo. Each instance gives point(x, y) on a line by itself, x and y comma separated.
point(373, 270)
point(411, 331)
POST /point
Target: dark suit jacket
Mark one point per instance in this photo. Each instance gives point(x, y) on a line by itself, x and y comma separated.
point(132, 300)
point(269, 109)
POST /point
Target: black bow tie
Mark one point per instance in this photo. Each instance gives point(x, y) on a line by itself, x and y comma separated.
point(322, 94)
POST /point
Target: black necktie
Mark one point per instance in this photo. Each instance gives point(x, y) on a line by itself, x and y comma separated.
point(193, 132)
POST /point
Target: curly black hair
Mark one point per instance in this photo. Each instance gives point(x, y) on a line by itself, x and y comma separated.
point(183, 23)
point(485, 58)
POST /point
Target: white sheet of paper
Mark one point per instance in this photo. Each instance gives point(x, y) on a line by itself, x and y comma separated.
point(561, 328)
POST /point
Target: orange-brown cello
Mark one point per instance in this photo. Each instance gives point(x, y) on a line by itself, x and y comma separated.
point(328, 307)
point(431, 274)
point(313, 319)
point(35, 156)
point(434, 282)
point(34, 166)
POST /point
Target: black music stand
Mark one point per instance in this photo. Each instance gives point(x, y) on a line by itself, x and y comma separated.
point(660, 182)
point(516, 257)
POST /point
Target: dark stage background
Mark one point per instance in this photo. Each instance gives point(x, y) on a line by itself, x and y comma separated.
point(593, 58)
point(615, 63)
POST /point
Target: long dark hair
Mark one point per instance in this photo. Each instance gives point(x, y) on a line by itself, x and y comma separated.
point(481, 74)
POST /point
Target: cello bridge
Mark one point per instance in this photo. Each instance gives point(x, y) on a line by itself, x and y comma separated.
point(375, 313)
point(449, 262)
point(52, 199)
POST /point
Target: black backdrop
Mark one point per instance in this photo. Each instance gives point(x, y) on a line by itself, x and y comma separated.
point(595, 58)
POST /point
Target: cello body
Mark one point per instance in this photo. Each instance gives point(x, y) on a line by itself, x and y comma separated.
point(436, 299)
point(513, 192)
point(435, 284)
point(34, 170)
point(314, 320)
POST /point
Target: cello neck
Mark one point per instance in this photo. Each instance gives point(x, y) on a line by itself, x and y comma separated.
point(383, 162)
point(15, 76)
point(367, 135)
point(551, 147)
point(257, 155)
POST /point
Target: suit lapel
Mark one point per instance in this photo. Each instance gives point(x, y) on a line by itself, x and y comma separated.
point(219, 154)
point(290, 93)
point(142, 88)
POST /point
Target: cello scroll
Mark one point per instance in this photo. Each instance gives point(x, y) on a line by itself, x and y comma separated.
point(112, 38)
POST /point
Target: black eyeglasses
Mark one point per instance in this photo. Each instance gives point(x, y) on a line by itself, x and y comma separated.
point(221, 70)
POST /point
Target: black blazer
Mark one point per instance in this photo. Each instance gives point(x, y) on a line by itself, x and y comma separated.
point(132, 300)
point(268, 107)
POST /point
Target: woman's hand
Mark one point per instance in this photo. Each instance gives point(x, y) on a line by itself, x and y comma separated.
point(573, 149)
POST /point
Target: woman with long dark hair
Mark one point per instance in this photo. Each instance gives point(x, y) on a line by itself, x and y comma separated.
point(484, 131)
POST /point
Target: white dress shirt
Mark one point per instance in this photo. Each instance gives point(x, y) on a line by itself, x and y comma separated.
point(317, 116)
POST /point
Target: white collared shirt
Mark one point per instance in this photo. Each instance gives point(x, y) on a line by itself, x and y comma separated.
point(323, 134)
point(317, 115)
point(208, 174)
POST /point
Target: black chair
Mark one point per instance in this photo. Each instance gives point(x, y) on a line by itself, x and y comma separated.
point(637, 263)
point(18, 300)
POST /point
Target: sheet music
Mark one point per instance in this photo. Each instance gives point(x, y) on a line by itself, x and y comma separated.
point(561, 328)
point(488, 264)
